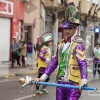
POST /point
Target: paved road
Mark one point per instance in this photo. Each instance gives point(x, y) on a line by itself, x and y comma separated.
point(10, 90)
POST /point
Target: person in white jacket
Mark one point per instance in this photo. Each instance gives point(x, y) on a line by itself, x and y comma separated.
point(96, 60)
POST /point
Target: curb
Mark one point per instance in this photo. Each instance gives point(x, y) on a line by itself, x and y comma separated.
point(16, 75)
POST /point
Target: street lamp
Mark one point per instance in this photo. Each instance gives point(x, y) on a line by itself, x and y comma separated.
point(97, 30)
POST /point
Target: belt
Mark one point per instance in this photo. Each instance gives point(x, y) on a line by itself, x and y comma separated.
point(67, 80)
point(64, 80)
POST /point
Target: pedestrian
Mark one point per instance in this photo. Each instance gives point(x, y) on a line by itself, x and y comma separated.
point(38, 46)
point(30, 48)
point(15, 50)
point(70, 57)
point(23, 53)
point(18, 54)
point(44, 59)
point(98, 41)
point(96, 61)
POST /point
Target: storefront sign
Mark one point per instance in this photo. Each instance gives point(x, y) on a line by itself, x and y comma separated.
point(15, 27)
point(6, 7)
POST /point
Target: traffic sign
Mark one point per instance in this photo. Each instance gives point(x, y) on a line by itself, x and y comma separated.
point(34, 23)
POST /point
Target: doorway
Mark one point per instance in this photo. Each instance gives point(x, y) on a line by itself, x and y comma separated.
point(27, 33)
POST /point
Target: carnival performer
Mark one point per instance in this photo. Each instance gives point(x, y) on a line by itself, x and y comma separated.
point(96, 61)
point(44, 59)
point(70, 58)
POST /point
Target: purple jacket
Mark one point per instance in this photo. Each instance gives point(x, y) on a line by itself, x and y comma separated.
point(29, 47)
point(82, 63)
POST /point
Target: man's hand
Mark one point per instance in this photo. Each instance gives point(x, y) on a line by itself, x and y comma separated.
point(84, 82)
point(36, 80)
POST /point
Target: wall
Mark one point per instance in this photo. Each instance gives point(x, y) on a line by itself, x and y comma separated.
point(32, 10)
point(18, 15)
point(48, 3)
point(18, 10)
point(48, 21)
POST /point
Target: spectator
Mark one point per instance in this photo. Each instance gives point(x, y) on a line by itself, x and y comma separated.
point(98, 41)
point(96, 61)
point(15, 50)
point(18, 55)
point(30, 47)
point(23, 53)
point(38, 46)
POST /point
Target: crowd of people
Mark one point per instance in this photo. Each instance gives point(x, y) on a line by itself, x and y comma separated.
point(20, 50)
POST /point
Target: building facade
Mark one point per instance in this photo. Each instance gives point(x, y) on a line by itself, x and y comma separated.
point(11, 22)
point(32, 20)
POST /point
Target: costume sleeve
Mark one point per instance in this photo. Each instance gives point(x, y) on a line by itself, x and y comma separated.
point(42, 54)
point(51, 67)
point(80, 55)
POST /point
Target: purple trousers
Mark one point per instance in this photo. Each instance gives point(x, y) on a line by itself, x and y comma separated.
point(67, 94)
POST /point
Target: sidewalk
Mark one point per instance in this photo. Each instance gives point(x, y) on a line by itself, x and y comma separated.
point(6, 72)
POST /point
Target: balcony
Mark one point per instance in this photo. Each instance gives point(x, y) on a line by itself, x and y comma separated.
point(48, 3)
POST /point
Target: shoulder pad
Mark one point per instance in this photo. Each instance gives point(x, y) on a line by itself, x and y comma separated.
point(78, 39)
point(60, 43)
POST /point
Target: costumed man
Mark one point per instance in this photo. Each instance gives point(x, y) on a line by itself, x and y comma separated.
point(70, 59)
point(96, 60)
point(44, 59)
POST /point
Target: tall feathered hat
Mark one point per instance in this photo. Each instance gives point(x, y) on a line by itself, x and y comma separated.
point(46, 37)
point(72, 18)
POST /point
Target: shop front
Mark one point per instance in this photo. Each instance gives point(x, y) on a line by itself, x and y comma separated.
point(11, 18)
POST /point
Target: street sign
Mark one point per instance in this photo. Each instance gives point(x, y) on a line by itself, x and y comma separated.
point(34, 23)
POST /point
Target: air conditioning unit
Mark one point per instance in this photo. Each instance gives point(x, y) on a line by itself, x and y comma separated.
point(25, 1)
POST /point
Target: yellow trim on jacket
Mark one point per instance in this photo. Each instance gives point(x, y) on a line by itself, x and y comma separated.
point(73, 67)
